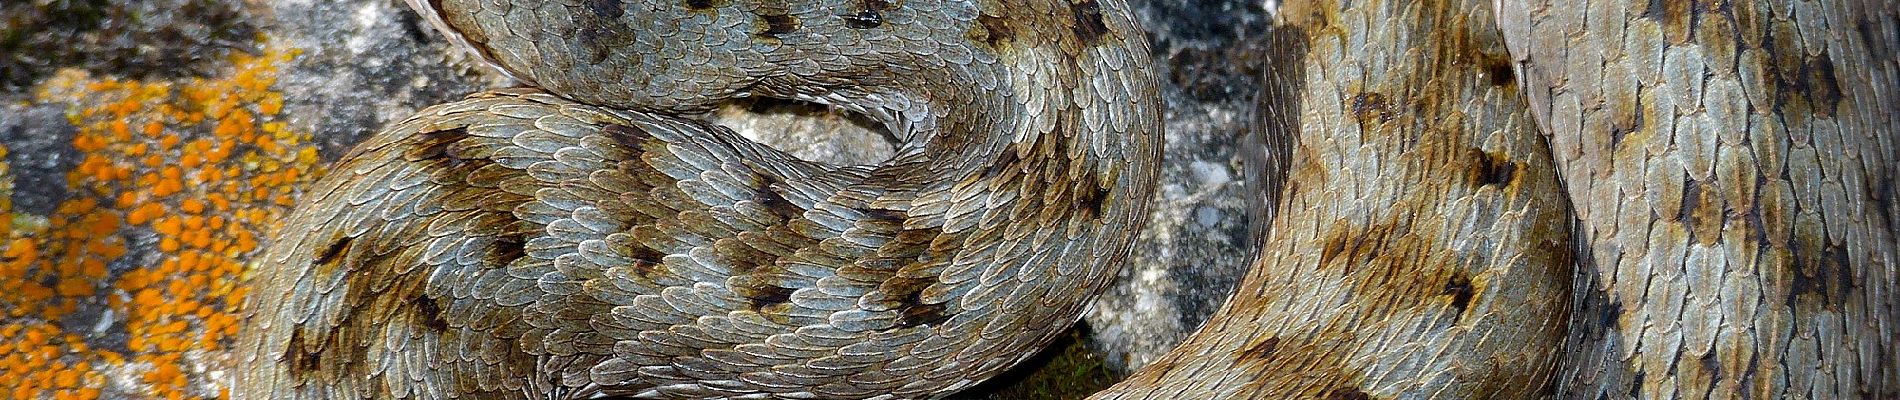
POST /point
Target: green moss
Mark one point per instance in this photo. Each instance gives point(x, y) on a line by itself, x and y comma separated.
point(1066, 370)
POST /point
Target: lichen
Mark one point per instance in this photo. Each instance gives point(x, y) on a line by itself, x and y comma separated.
point(179, 182)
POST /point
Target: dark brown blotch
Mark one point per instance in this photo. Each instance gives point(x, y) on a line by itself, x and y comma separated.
point(1346, 393)
point(429, 314)
point(1459, 288)
point(1804, 84)
point(435, 144)
point(1371, 107)
point(883, 220)
point(1677, 17)
point(1823, 277)
point(912, 310)
point(1088, 24)
point(1619, 129)
point(768, 196)
point(774, 25)
point(1367, 252)
point(703, 5)
point(1711, 366)
point(627, 136)
point(600, 37)
point(870, 14)
point(1335, 245)
point(332, 255)
point(647, 262)
point(884, 215)
point(1093, 199)
point(507, 249)
point(300, 361)
point(1691, 195)
point(1490, 169)
point(1701, 212)
point(646, 254)
point(1501, 74)
point(1611, 315)
point(916, 315)
point(1357, 247)
point(1260, 350)
point(760, 295)
point(910, 244)
point(864, 19)
point(601, 31)
point(992, 31)
point(1004, 163)
point(449, 156)
point(605, 8)
point(1824, 92)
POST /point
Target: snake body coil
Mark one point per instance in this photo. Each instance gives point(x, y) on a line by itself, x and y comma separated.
point(592, 242)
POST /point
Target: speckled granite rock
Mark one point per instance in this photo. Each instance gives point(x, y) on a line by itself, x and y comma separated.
point(39, 152)
point(149, 38)
point(1197, 244)
point(361, 65)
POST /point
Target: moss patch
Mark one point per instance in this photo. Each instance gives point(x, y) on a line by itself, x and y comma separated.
point(1065, 370)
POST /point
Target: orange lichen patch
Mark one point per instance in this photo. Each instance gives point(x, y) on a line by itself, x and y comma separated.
point(205, 168)
point(41, 361)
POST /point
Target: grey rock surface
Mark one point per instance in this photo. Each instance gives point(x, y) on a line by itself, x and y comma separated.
point(39, 152)
point(147, 38)
point(1197, 243)
point(363, 65)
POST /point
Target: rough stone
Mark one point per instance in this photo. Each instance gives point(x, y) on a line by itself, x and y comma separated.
point(39, 151)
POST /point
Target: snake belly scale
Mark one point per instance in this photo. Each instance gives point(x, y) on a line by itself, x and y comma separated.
point(583, 238)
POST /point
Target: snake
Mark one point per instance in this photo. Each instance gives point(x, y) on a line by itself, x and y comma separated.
point(585, 236)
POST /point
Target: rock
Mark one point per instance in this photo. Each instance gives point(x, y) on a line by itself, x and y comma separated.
point(39, 151)
point(1197, 243)
point(142, 39)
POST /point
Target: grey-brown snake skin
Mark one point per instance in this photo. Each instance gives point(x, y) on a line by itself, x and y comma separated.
point(583, 240)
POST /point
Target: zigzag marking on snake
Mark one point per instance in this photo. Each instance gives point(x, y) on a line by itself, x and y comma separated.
point(585, 239)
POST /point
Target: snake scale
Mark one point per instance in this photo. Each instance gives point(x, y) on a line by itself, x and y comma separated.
point(1726, 172)
point(582, 239)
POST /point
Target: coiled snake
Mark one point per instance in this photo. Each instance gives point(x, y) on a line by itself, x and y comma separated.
point(582, 239)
